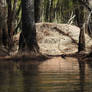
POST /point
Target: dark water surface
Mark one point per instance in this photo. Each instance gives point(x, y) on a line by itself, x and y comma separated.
point(55, 75)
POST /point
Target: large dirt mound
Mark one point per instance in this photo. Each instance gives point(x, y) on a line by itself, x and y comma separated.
point(59, 38)
point(55, 39)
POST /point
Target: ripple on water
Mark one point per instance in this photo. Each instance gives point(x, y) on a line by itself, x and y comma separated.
point(53, 75)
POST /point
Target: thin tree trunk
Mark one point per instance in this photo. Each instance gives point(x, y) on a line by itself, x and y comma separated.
point(37, 10)
point(10, 25)
point(79, 12)
point(1, 37)
point(81, 46)
point(3, 24)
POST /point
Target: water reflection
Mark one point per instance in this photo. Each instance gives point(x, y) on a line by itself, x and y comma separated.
point(55, 75)
point(82, 75)
point(11, 79)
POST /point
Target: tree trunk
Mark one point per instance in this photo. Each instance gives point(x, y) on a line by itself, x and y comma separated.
point(3, 24)
point(79, 12)
point(1, 37)
point(28, 35)
point(10, 25)
point(81, 46)
point(37, 10)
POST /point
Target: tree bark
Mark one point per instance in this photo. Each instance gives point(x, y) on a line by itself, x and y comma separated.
point(81, 46)
point(37, 10)
point(10, 25)
point(79, 12)
point(3, 24)
point(28, 35)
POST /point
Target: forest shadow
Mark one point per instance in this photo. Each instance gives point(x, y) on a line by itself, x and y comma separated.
point(41, 58)
point(25, 58)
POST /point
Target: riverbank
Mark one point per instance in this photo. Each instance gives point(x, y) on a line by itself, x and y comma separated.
point(54, 40)
point(27, 57)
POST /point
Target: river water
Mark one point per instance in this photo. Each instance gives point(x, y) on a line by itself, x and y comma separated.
point(53, 75)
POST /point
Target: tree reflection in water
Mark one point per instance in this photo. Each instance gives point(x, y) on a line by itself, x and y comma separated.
point(82, 75)
point(47, 76)
point(11, 79)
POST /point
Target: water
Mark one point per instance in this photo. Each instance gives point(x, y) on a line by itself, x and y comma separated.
point(54, 75)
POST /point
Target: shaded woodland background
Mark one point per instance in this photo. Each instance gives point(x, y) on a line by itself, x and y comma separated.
point(21, 15)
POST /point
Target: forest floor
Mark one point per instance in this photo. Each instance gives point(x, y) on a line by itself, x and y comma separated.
point(40, 58)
